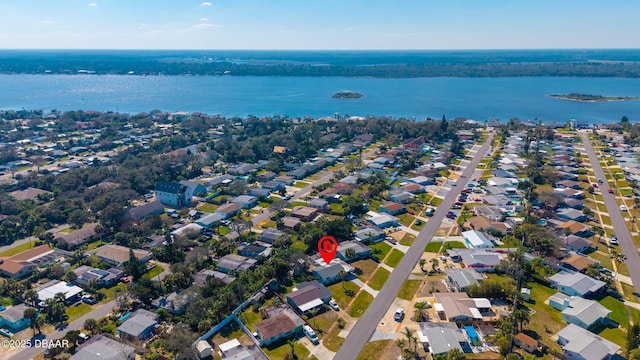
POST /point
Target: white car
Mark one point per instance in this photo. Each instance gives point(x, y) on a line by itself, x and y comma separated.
point(309, 333)
point(398, 315)
point(334, 305)
point(623, 208)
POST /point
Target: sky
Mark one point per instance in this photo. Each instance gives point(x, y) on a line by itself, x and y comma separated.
point(319, 24)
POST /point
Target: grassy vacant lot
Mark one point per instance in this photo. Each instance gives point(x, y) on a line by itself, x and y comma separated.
point(405, 219)
point(379, 278)
point(368, 267)
point(332, 341)
point(339, 292)
point(300, 184)
point(618, 311)
point(545, 317)
point(280, 350)
point(407, 239)
point(249, 318)
point(433, 247)
point(206, 207)
point(151, 274)
point(109, 294)
point(409, 289)
point(454, 245)
point(323, 322)
point(380, 249)
point(629, 294)
point(360, 304)
point(394, 258)
point(373, 350)
point(74, 312)
point(223, 230)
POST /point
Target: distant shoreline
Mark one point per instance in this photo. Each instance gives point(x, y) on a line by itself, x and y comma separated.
point(592, 98)
point(347, 95)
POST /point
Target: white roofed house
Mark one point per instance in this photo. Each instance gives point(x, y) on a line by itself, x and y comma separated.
point(578, 311)
point(576, 283)
point(49, 290)
point(476, 239)
point(440, 338)
point(580, 344)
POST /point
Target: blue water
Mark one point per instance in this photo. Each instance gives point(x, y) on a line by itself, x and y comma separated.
point(476, 98)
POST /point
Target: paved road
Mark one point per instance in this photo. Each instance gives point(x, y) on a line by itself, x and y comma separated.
point(97, 313)
point(627, 247)
point(364, 328)
point(307, 189)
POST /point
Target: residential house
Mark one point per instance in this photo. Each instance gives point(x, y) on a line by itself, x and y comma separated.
point(266, 176)
point(100, 347)
point(258, 192)
point(186, 230)
point(308, 295)
point(242, 169)
point(460, 308)
point(13, 318)
point(270, 235)
point(421, 180)
point(576, 284)
point(228, 210)
point(575, 244)
point(277, 327)
point(236, 263)
point(286, 180)
point(304, 213)
point(200, 278)
point(569, 193)
point(525, 342)
point(401, 196)
point(139, 213)
point(24, 263)
point(117, 255)
point(49, 290)
point(273, 185)
point(75, 238)
point(462, 278)
point(360, 251)
point(413, 188)
point(30, 194)
point(290, 222)
point(440, 338)
point(209, 220)
point(574, 203)
point(172, 194)
point(383, 221)
point(320, 204)
point(232, 350)
point(369, 235)
point(139, 326)
point(393, 208)
point(571, 214)
point(580, 344)
point(175, 303)
point(245, 201)
point(218, 181)
point(106, 278)
point(254, 250)
point(486, 225)
point(194, 189)
point(576, 262)
point(492, 213)
point(575, 228)
point(582, 312)
point(328, 274)
point(480, 260)
point(476, 240)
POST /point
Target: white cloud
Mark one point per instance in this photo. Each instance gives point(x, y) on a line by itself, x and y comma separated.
point(206, 3)
point(92, 4)
point(204, 26)
point(204, 19)
point(48, 22)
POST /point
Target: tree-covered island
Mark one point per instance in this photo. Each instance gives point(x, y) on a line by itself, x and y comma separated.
point(592, 98)
point(347, 95)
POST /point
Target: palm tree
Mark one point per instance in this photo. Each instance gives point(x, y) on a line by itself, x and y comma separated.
point(422, 262)
point(350, 253)
point(31, 314)
point(408, 333)
point(91, 325)
point(521, 316)
point(401, 343)
point(455, 354)
point(31, 296)
point(434, 263)
point(342, 275)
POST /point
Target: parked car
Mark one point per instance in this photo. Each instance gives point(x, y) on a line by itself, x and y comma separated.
point(411, 212)
point(599, 181)
point(398, 315)
point(595, 186)
point(334, 305)
point(610, 191)
point(623, 208)
point(392, 240)
point(613, 240)
point(450, 216)
point(124, 279)
point(310, 334)
point(88, 299)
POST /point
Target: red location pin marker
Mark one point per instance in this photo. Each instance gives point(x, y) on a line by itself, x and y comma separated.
point(327, 246)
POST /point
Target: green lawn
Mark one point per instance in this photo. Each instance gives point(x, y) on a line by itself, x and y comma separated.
point(339, 292)
point(379, 278)
point(67, 230)
point(433, 246)
point(280, 352)
point(454, 245)
point(373, 350)
point(298, 203)
point(151, 274)
point(223, 230)
point(299, 244)
point(360, 304)
point(73, 312)
point(332, 341)
point(405, 219)
point(380, 249)
point(409, 289)
point(263, 204)
point(618, 311)
point(300, 184)
point(629, 293)
point(545, 316)
point(324, 321)
point(109, 293)
point(336, 208)
point(18, 249)
point(616, 336)
point(206, 207)
point(394, 258)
